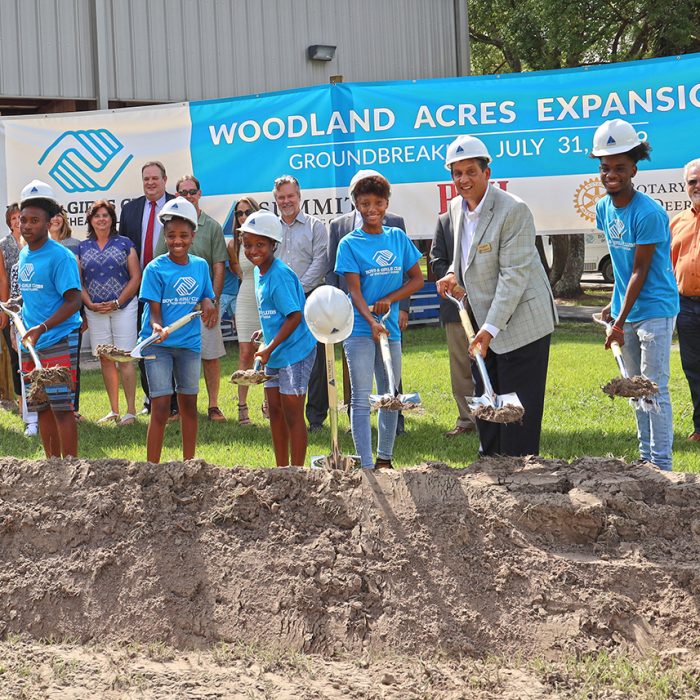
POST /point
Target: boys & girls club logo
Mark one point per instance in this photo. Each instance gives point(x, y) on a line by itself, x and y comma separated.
point(185, 286)
point(384, 258)
point(26, 272)
point(86, 160)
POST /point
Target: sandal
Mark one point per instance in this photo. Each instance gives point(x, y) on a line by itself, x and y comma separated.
point(215, 414)
point(128, 419)
point(243, 418)
point(109, 418)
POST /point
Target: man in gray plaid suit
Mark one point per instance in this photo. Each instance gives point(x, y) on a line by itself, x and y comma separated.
point(496, 262)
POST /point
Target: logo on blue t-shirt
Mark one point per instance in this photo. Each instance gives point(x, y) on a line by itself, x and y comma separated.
point(384, 258)
point(616, 229)
point(26, 272)
point(185, 286)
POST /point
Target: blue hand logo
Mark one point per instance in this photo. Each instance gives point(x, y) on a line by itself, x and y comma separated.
point(185, 286)
point(86, 160)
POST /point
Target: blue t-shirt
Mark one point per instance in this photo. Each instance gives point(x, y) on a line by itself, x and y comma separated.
point(381, 260)
point(641, 222)
point(178, 289)
point(44, 276)
point(105, 272)
point(279, 293)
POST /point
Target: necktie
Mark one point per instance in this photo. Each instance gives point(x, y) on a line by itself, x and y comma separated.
point(148, 244)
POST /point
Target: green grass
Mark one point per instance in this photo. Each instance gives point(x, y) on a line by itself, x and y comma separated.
point(579, 419)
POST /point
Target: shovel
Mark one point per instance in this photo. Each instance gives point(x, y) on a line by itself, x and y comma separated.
point(250, 377)
point(493, 407)
point(137, 353)
point(639, 390)
point(40, 377)
point(335, 460)
point(392, 400)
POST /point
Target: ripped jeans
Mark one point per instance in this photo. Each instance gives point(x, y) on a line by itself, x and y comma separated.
point(647, 351)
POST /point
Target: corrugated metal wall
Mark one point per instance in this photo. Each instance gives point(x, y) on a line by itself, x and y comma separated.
point(173, 50)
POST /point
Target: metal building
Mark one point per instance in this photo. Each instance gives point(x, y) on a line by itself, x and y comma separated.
point(67, 55)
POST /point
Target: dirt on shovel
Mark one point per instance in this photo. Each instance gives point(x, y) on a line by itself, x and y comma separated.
point(503, 414)
point(631, 387)
point(42, 377)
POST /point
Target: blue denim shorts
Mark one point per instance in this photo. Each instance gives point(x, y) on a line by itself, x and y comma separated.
point(183, 364)
point(292, 380)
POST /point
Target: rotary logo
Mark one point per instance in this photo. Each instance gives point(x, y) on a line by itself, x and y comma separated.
point(586, 197)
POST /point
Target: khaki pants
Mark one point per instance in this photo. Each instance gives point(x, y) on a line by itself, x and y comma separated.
point(460, 371)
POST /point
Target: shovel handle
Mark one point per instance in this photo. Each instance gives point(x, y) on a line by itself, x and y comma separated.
point(182, 321)
point(21, 329)
point(614, 346)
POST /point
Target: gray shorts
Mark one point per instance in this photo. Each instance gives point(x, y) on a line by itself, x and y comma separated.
point(212, 341)
point(292, 380)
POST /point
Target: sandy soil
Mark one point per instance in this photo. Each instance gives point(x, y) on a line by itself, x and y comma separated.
point(363, 573)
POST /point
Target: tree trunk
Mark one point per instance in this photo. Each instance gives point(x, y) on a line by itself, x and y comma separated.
point(567, 265)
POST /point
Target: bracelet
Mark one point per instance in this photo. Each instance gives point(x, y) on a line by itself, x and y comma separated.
point(46, 328)
point(618, 329)
point(116, 304)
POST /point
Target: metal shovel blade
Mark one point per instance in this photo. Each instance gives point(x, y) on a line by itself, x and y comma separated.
point(342, 462)
point(499, 408)
point(394, 402)
point(118, 355)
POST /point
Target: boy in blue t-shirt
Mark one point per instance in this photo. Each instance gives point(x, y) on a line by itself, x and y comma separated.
point(645, 301)
point(289, 349)
point(173, 285)
point(49, 283)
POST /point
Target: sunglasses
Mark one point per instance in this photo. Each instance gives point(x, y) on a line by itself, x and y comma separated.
point(243, 212)
point(184, 193)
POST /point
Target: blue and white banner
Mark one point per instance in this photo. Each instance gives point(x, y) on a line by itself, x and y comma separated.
point(538, 128)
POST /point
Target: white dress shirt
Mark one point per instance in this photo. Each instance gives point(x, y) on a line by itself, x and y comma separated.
point(470, 221)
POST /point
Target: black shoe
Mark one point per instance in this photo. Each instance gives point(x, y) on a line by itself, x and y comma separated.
point(383, 464)
point(315, 427)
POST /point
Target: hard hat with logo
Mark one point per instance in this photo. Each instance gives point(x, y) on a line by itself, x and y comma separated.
point(328, 313)
point(361, 175)
point(614, 136)
point(263, 223)
point(178, 208)
point(37, 189)
point(464, 147)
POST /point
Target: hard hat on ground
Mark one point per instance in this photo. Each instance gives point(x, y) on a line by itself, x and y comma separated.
point(263, 223)
point(464, 147)
point(614, 136)
point(361, 175)
point(37, 189)
point(328, 313)
point(178, 208)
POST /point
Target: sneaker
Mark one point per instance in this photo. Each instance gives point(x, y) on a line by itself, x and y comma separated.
point(31, 430)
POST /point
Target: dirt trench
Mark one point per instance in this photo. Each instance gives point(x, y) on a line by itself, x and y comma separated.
point(508, 556)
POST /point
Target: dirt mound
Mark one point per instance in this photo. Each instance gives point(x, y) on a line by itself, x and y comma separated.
point(530, 556)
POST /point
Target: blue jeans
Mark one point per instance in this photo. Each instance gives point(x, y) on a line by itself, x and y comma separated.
point(182, 363)
point(364, 358)
point(647, 351)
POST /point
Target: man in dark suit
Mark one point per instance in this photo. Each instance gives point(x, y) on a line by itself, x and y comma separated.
point(139, 222)
point(441, 252)
point(340, 227)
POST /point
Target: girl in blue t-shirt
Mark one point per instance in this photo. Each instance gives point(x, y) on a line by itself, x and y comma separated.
point(289, 349)
point(374, 260)
point(173, 285)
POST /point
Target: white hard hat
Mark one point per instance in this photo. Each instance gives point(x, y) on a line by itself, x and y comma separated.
point(464, 147)
point(361, 175)
point(263, 223)
point(178, 208)
point(37, 189)
point(328, 313)
point(614, 136)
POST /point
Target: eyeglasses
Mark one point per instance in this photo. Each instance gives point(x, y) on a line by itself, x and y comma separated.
point(184, 193)
point(243, 212)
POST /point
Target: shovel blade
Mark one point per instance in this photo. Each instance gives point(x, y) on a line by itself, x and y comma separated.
point(511, 399)
point(342, 462)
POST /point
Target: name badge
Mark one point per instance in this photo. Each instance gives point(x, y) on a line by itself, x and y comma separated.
point(484, 248)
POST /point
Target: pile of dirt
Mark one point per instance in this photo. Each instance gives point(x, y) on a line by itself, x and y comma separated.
point(508, 556)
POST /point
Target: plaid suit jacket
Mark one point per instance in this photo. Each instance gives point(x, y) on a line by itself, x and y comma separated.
point(504, 278)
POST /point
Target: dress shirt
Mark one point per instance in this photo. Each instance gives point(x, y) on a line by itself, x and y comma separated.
point(156, 224)
point(685, 251)
point(304, 248)
point(470, 221)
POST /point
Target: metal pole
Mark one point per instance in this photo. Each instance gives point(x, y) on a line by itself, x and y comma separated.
point(100, 48)
point(462, 46)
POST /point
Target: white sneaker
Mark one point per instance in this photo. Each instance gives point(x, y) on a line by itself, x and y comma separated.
point(31, 430)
